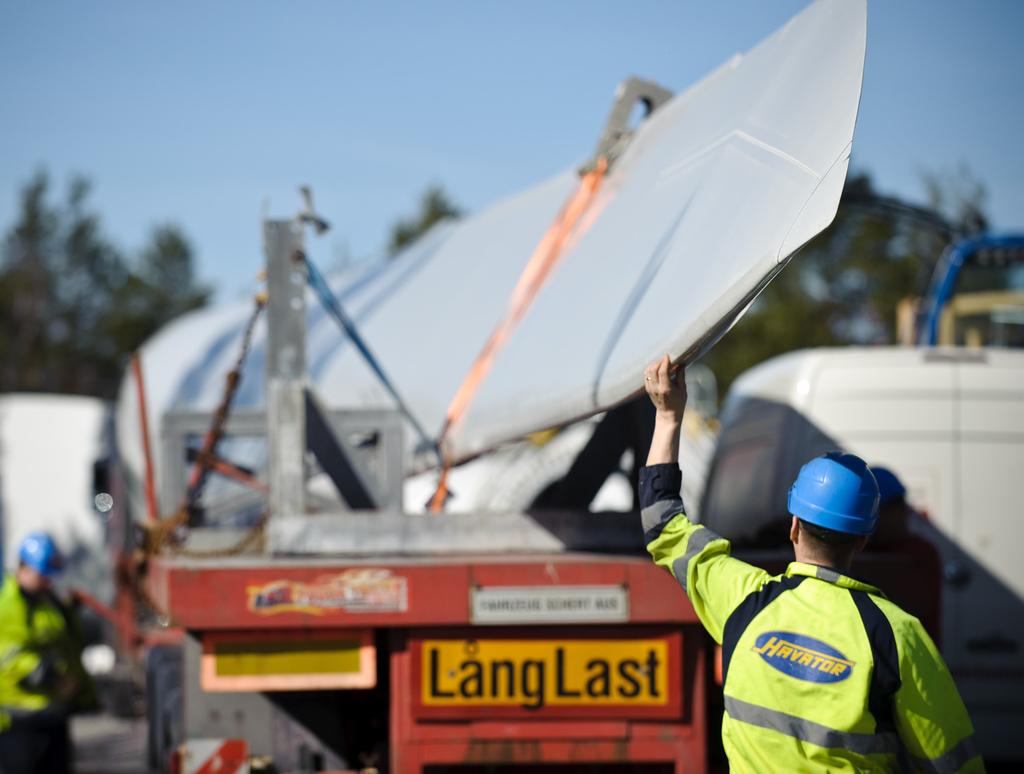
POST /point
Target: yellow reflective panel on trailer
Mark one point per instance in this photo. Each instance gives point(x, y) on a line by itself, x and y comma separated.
point(321, 660)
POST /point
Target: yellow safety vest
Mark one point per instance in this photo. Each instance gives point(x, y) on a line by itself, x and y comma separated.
point(27, 635)
point(821, 671)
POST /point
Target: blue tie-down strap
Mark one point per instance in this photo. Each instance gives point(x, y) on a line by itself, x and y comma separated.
point(334, 308)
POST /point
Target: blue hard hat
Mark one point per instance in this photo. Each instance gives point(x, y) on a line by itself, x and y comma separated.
point(39, 552)
point(838, 492)
point(889, 486)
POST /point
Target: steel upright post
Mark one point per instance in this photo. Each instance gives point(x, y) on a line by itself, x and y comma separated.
point(286, 366)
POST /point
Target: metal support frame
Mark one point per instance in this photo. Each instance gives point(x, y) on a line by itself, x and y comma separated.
point(617, 132)
point(334, 459)
point(286, 366)
point(372, 440)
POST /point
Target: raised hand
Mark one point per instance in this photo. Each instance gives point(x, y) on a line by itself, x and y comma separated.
point(666, 388)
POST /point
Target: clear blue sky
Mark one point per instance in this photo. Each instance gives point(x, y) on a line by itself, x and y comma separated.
point(196, 112)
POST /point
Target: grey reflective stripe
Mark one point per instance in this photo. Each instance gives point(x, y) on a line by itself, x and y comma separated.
point(698, 540)
point(827, 575)
point(656, 516)
point(20, 712)
point(952, 761)
point(809, 731)
point(10, 654)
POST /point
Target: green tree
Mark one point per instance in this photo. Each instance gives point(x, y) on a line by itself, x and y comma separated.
point(167, 265)
point(162, 287)
point(434, 206)
point(71, 307)
point(959, 196)
point(27, 293)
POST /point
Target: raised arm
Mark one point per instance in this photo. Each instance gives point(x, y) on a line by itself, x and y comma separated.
point(667, 391)
point(698, 558)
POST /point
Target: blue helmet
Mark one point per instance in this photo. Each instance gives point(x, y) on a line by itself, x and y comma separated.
point(838, 492)
point(39, 552)
point(889, 486)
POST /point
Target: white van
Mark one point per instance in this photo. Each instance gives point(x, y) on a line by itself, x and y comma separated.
point(48, 444)
point(950, 424)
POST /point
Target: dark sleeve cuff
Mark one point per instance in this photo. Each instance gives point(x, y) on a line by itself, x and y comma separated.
point(659, 482)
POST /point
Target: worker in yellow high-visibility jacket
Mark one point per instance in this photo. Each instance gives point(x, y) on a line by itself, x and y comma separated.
point(41, 676)
point(821, 671)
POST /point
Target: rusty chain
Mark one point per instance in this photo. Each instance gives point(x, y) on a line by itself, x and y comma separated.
point(160, 536)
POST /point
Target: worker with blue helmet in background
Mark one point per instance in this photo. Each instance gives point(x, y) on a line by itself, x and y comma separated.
point(820, 671)
point(890, 488)
point(41, 676)
point(903, 531)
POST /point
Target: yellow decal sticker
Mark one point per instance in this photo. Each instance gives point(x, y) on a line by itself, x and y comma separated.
point(544, 673)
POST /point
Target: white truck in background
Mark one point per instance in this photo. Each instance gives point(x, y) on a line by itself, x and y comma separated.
point(48, 445)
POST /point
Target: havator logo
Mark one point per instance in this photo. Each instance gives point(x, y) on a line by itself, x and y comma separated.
point(803, 657)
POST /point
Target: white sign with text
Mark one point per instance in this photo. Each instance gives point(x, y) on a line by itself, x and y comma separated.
point(548, 604)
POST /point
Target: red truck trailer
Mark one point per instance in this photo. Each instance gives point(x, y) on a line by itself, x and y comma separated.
point(463, 664)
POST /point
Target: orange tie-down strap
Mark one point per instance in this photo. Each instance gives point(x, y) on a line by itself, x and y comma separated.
point(538, 269)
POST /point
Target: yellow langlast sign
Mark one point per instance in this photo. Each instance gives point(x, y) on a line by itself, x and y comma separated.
point(544, 673)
